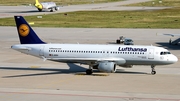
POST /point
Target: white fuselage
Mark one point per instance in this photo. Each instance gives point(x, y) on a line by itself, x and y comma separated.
point(47, 5)
point(82, 53)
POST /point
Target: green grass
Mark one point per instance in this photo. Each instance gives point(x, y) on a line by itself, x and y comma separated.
point(171, 3)
point(58, 2)
point(167, 18)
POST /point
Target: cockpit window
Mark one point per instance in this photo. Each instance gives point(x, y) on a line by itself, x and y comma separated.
point(164, 53)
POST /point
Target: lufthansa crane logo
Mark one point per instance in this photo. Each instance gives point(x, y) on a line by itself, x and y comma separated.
point(23, 30)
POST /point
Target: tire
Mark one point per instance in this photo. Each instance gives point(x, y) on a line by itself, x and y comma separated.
point(153, 72)
point(89, 71)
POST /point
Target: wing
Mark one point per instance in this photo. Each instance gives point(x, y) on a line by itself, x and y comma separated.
point(172, 35)
point(88, 60)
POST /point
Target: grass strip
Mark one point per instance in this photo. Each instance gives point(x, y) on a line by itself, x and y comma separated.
point(58, 2)
point(167, 18)
point(158, 3)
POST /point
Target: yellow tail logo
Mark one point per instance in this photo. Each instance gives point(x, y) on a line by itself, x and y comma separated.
point(38, 5)
point(23, 30)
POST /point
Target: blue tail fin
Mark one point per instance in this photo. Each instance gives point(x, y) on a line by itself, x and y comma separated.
point(25, 32)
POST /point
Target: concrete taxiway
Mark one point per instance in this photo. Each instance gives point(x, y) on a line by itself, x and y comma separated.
point(23, 77)
point(10, 11)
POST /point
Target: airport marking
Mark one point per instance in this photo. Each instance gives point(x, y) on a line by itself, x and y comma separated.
point(99, 96)
point(34, 66)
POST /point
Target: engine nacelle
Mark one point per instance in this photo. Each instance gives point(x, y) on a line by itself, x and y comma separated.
point(56, 8)
point(126, 66)
point(106, 66)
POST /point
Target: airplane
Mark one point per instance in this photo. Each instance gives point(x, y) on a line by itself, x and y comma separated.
point(46, 5)
point(105, 58)
point(174, 42)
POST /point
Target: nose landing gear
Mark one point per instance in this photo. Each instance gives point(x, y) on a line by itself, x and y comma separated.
point(153, 72)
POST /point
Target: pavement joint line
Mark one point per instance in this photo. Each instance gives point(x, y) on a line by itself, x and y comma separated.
point(100, 96)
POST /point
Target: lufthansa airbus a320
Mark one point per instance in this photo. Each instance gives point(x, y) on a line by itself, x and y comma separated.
point(105, 58)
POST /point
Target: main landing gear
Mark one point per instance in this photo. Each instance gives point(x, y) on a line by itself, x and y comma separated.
point(51, 10)
point(89, 71)
point(170, 42)
point(153, 72)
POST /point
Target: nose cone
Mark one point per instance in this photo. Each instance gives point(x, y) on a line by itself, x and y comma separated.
point(173, 59)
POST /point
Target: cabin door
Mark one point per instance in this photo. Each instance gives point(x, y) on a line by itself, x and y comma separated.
point(151, 53)
point(41, 51)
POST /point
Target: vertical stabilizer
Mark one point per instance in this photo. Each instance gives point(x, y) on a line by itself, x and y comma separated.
point(25, 32)
point(38, 5)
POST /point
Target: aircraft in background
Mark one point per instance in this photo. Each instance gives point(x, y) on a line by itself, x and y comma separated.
point(174, 42)
point(105, 58)
point(46, 5)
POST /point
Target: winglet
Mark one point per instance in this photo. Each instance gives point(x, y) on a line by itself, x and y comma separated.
point(25, 32)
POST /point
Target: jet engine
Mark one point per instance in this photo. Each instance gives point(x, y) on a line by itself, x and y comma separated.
point(106, 66)
point(56, 8)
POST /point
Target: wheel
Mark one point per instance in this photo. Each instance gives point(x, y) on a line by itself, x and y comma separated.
point(51, 10)
point(118, 41)
point(89, 71)
point(153, 72)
